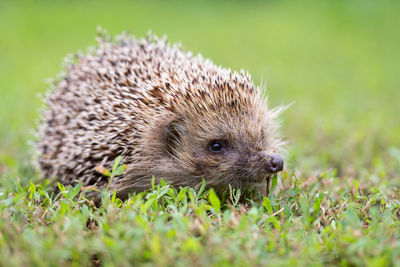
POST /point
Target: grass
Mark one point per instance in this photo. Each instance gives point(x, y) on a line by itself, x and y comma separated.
point(337, 61)
point(319, 222)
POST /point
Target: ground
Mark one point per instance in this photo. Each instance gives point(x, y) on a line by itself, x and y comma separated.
point(336, 63)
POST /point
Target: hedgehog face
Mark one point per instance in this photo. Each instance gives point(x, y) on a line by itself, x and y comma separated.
point(224, 149)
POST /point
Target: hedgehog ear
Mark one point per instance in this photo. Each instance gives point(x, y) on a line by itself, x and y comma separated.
point(172, 135)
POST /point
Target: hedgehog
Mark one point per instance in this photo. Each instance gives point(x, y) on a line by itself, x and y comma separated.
point(167, 112)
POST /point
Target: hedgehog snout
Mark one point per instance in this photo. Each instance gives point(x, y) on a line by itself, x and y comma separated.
point(273, 163)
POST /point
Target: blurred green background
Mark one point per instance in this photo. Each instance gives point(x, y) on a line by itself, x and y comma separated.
point(337, 62)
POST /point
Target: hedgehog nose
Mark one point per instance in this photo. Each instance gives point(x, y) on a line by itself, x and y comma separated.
point(274, 163)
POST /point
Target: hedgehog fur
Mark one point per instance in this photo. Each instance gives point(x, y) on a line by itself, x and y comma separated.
point(169, 114)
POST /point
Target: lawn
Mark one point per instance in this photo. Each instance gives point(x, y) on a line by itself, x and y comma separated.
point(336, 62)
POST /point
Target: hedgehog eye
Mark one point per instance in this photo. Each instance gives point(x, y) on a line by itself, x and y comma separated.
point(216, 146)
